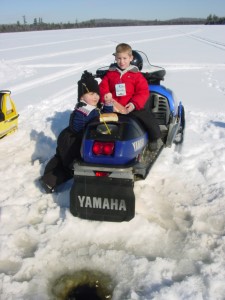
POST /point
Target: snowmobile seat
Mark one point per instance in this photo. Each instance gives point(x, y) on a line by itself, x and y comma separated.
point(154, 77)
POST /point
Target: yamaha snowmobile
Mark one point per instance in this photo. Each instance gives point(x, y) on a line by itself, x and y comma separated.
point(115, 152)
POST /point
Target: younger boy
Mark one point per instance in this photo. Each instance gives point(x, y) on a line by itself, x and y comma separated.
point(125, 84)
point(59, 169)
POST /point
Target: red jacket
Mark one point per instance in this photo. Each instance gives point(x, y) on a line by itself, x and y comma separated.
point(137, 90)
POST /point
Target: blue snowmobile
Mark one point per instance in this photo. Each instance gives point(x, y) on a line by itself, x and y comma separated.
point(115, 152)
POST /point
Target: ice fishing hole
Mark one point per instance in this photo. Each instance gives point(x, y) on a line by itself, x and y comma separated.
point(83, 285)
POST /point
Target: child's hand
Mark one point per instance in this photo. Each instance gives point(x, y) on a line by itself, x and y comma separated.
point(129, 107)
point(108, 98)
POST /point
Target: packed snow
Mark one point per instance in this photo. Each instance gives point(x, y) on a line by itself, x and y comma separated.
point(174, 248)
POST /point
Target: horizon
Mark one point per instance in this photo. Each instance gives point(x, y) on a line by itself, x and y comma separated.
point(23, 22)
point(80, 11)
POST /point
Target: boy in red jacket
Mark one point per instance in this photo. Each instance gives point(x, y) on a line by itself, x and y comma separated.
point(125, 84)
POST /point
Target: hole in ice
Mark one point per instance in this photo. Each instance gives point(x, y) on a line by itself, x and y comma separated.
point(83, 285)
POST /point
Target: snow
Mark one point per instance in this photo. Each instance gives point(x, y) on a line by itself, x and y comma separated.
point(174, 248)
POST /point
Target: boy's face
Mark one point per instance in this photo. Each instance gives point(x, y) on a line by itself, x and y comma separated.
point(123, 60)
point(91, 98)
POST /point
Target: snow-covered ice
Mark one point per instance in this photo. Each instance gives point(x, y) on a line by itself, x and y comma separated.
point(174, 248)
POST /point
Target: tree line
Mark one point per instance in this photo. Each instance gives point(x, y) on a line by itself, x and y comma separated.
point(213, 19)
point(39, 24)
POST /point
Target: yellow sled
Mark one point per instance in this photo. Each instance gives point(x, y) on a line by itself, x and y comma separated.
point(8, 114)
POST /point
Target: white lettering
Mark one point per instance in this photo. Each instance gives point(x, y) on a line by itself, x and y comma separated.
point(88, 202)
point(122, 205)
point(138, 144)
point(114, 204)
point(99, 203)
point(81, 200)
point(105, 203)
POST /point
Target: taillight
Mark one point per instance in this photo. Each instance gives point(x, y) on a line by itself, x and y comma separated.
point(102, 174)
point(103, 148)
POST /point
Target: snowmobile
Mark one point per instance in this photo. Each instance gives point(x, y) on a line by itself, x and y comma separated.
point(8, 114)
point(115, 152)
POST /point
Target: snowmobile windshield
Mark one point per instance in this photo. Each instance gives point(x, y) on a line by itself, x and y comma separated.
point(147, 66)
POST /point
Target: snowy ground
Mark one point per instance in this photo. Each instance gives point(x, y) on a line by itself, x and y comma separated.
point(174, 248)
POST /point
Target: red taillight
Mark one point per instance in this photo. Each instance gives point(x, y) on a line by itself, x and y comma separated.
point(103, 148)
point(97, 148)
point(108, 148)
point(102, 174)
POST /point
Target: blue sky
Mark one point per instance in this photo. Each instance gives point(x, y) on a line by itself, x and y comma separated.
point(12, 11)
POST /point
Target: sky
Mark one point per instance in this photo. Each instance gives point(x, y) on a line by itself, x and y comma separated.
point(81, 10)
point(174, 246)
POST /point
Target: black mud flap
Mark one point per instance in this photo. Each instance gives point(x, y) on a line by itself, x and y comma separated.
point(102, 198)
